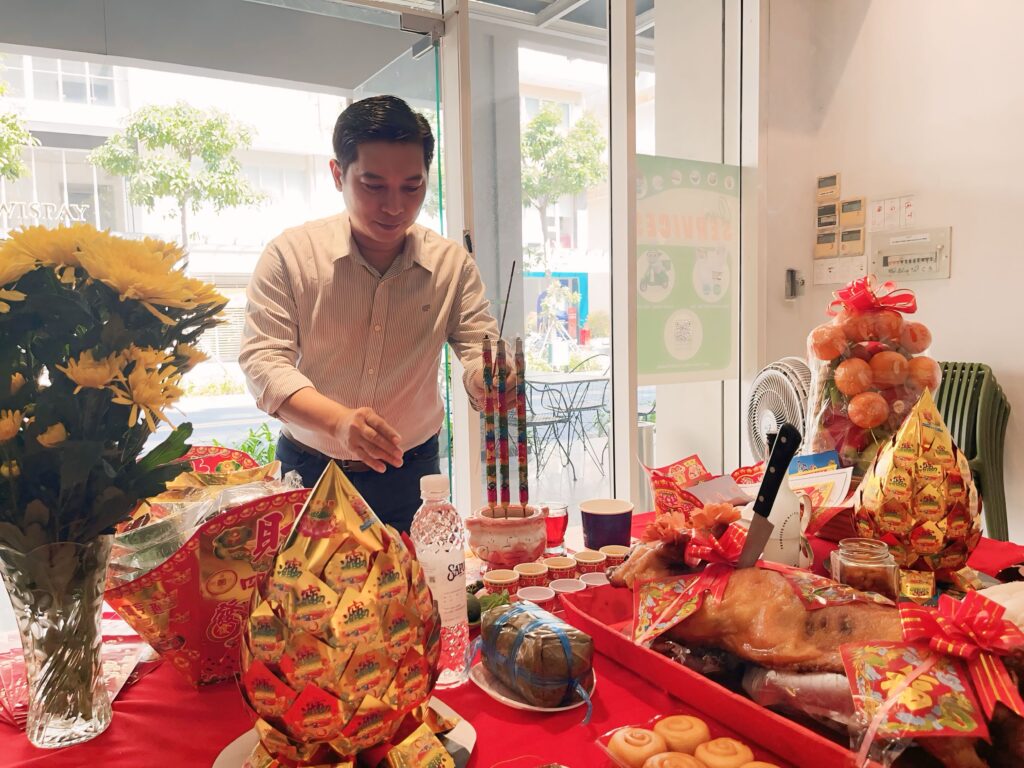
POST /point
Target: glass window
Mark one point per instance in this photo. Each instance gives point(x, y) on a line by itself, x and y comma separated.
point(12, 73)
point(46, 85)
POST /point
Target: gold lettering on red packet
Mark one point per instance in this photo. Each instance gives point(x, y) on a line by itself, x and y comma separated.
point(373, 723)
point(268, 695)
point(316, 715)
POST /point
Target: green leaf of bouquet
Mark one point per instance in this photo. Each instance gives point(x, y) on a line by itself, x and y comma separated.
point(171, 449)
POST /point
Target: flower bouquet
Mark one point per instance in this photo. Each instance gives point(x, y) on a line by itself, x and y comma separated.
point(96, 332)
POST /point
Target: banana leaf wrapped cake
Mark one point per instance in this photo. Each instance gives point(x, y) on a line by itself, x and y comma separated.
point(539, 657)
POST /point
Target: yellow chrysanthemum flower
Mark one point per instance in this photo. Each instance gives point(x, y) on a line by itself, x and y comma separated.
point(17, 382)
point(141, 271)
point(148, 389)
point(57, 247)
point(6, 296)
point(9, 469)
point(10, 423)
point(54, 435)
point(193, 355)
point(14, 263)
point(87, 371)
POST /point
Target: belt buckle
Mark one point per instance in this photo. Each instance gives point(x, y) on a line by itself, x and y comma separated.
point(352, 465)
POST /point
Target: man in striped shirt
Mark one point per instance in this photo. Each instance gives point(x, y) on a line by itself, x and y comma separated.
point(347, 316)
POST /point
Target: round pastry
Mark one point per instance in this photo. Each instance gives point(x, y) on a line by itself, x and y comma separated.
point(724, 753)
point(673, 760)
point(632, 746)
point(759, 764)
point(682, 733)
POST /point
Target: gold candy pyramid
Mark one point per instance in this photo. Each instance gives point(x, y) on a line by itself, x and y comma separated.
point(343, 637)
point(919, 496)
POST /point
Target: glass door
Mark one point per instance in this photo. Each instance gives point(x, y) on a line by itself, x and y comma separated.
point(414, 77)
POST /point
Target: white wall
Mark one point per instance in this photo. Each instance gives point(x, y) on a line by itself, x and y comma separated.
point(905, 96)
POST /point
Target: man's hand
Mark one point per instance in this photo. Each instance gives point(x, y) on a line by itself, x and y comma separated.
point(369, 438)
point(478, 392)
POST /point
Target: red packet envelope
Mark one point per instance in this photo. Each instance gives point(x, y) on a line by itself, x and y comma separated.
point(939, 702)
point(267, 694)
point(192, 607)
point(215, 458)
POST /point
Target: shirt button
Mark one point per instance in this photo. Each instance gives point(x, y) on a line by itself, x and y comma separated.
point(376, 327)
point(370, 371)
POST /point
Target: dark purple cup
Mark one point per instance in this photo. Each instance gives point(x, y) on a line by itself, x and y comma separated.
point(606, 521)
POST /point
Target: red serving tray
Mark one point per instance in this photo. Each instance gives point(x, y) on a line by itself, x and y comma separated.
point(605, 612)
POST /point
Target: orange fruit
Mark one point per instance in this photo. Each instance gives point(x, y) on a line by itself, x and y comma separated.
point(853, 376)
point(868, 410)
point(888, 369)
point(827, 342)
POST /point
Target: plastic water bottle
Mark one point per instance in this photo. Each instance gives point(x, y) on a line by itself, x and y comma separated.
point(439, 536)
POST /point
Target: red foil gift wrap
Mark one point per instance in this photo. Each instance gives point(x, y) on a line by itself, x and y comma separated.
point(341, 639)
point(216, 458)
point(192, 608)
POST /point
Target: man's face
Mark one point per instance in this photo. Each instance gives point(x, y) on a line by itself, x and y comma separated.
point(384, 189)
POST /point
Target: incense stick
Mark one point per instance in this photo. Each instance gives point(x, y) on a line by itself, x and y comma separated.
point(504, 309)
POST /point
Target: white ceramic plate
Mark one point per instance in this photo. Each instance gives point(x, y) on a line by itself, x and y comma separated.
point(459, 742)
point(494, 688)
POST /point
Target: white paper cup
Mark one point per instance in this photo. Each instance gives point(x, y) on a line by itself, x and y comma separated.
point(542, 597)
point(567, 586)
point(594, 579)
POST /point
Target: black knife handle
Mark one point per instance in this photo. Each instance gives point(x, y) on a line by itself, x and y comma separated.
point(786, 445)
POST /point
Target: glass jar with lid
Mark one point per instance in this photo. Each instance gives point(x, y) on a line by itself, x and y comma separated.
point(867, 565)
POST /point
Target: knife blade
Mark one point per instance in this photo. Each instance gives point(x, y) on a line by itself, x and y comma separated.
point(760, 530)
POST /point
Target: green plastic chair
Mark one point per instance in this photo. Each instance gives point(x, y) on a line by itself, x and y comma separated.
point(976, 410)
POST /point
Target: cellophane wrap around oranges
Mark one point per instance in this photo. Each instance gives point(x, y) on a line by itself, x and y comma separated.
point(919, 496)
point(340, 651)
point(868, 371)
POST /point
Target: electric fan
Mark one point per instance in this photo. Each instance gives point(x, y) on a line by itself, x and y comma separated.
point(778, 395)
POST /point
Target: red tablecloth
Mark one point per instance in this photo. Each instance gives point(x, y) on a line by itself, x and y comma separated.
point(162, 720)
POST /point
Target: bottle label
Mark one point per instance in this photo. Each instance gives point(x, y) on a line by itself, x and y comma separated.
point(446, 577)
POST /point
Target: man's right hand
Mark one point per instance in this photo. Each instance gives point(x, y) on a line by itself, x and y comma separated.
point(368, 438)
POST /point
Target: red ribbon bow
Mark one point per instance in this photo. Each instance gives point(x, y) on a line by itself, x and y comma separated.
point(862, 295)
point(724, 549)
point(973, 629)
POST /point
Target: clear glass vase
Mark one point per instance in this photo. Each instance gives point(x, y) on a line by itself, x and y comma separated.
point(57, 594)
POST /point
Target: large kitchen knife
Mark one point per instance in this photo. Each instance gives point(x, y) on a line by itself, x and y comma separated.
point(774, 474)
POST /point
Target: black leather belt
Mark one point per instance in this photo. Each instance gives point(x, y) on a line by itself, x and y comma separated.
point(354, 465)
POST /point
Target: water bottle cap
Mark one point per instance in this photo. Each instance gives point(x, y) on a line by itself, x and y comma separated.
point(434, 484)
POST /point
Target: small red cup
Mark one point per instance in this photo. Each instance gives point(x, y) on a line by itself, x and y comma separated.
point(532, 574)
point(560, 568)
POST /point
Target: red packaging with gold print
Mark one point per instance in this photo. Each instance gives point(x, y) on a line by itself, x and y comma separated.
point(192, 607)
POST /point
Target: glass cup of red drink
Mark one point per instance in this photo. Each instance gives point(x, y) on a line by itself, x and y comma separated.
point(557, 521)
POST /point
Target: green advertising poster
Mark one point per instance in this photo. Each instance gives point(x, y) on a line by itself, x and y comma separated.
point(687, 268)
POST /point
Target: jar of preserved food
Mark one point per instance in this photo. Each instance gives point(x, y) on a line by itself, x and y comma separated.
point(867, 565)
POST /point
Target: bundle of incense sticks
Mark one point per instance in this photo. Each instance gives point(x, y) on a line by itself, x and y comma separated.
point(496, 425)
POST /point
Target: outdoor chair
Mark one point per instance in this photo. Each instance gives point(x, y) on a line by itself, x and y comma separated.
point(548, 426)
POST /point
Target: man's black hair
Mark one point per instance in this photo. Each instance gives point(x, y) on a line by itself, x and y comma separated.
point(380, 118)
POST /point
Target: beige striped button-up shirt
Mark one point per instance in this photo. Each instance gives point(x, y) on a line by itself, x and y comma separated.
point(319, 315)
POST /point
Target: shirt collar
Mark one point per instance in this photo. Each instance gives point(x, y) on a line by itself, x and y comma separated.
point(412, 252)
